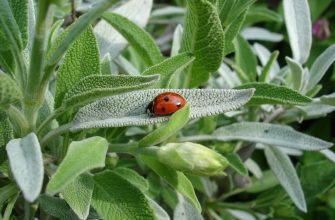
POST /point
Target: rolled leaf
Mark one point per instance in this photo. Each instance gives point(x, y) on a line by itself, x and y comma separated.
point(296, 72)
point(272, 134)
point(130, 108)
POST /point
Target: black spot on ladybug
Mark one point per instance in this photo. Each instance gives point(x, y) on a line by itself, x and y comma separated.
point(163, 109)
point(166, 98)
point(178, 104)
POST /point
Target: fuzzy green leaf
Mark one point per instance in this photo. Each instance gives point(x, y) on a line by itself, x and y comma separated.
point(78, 195)
point(245, 58)
point(168, 67)
point(65, 40)
point(133, 177)
point(236, 163)
point(177, 121)
point(141, 41)
point(273, 94)
point(272, 134)
point(261, 34)
point(204, 37)
point(81, 60)
point(260, 14)
point(9, 91)
point(20, 13)
point(26, 162)
point(116, 198)
point(320, 66)
point(130, 108)
point(10, 34)
point(283, 168)
point(175, 178)
point(81, 156)
point(95, 87)
point(299, 28)
point(110, 41)
point(6, 131)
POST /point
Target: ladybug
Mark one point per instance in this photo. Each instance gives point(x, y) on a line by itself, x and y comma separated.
point(165, 103)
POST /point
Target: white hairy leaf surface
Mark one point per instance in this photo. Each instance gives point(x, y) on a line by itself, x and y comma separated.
point(130, 108)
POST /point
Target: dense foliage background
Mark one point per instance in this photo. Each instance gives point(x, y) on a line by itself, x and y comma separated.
point(253, 142)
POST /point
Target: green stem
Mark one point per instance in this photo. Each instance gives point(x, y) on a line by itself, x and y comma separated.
point(49, 119)
point(10, 207)
point(33, 98)
point(253, 113)
point(18, 120)
point(21, 71)
point(132, 148)
point(26, 211)
point(65, 144)
point(197, 138)
point(54, 133)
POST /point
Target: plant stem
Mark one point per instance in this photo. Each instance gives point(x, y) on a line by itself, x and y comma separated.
point(253, 113)
point(65, 144)
point(49, 119)
point(132, 148)
point(196, 138)
point(26, 211)
point(10, 207)
point(18, 120)
point(33, 98)
point(54, 133)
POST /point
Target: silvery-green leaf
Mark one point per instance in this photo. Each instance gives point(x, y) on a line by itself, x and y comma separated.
point(159, 212)
point(130, 108)
point(203, 36)
point(316, 110)
point(26, 162)
point(111, 41)
point(185, 210)
point(9, 91)
point(81, 156)
point(329, 154)
point(253, 167)
point(296, 73)
point(176, 42)
point(258, 14)
point(95, 87)
point(299, 28)
point(139, 39)
point(168, 67)
point(264, 55)
point(328, 99)
point(321, 65)
point(168, 11)
point(261, 34)
point(286, 174)
point(125, 66)
point(272, 134)
point(229, 77)
point(288, 151)
point(78, 195)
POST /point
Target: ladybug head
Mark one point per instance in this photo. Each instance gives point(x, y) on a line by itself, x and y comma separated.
point(150, 109)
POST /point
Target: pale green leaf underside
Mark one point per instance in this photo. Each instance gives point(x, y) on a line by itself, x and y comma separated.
point(272, 134)
point(273, 94)
point(328, 99)
point(141, 41)
point(186, 210)
point(26, 162)
point(176, 122)
point(81, 60)
point(283, 168)
point(9, 91)
point(94, 87)
point(203, 36)
point(130, 108)
point(175, 178)
point(78, 195)
point(299, 28)
point(116, 198)
point(296, 72)
point(81, 156)
point(168, 67)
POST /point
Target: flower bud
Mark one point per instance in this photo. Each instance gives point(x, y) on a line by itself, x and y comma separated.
point(192, 158)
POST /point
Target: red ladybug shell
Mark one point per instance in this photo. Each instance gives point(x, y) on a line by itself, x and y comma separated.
point(166, 104)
